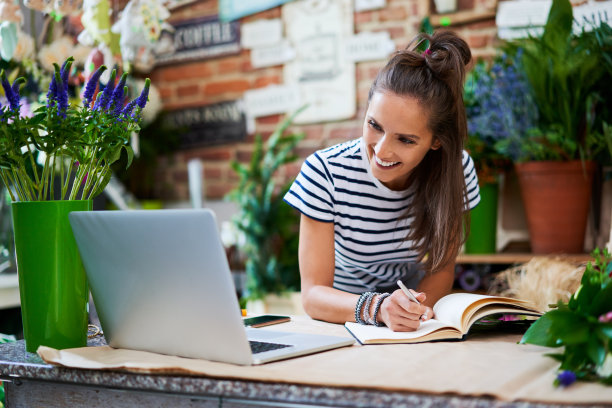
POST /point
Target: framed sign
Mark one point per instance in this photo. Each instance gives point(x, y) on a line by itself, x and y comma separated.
point(200, 38)
point(209, 125)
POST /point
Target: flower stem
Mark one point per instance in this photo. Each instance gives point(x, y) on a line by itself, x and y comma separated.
point(8, 186)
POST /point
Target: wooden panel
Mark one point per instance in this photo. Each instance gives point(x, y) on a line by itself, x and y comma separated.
point(508, 258)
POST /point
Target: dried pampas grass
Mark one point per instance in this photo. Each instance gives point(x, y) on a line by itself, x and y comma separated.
point(542, 281)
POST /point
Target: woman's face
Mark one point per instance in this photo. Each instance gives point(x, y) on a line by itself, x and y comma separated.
point(396, 137)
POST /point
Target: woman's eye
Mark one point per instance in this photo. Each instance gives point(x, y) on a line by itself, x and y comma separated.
point(374, 125)
point(406, 140)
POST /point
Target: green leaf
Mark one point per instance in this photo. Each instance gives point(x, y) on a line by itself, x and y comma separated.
point(596, 350)
point(539, 333)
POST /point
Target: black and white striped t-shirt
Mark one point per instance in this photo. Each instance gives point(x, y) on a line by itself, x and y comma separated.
point(336, 185)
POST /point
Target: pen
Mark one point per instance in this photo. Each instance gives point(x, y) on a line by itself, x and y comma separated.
point(407, 292)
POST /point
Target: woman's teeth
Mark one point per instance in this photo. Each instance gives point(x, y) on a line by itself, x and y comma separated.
point(384, 163)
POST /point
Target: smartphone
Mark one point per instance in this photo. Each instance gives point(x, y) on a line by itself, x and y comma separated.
point(265, 320)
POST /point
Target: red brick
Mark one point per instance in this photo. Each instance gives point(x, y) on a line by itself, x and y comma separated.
point(396, 32)
point(393, 14)
point(180, 176)
point(313, 132)
point(479, 25)
point(165, 91)
point(190, 90)
point(244, 156)
point(264, 81)
point(230, 64)
point(346, 133)
point(270, 119)
point(213, 172)
point(221, 87)
point(306, 151)
point(218, 191)
point(478, 41)
point(212, 154)
point(186, 71)
point(364, 17)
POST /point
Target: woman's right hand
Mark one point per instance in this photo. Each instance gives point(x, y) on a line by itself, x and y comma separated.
point(399, 313)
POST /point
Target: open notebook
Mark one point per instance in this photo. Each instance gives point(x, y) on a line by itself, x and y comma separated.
point(160, 282)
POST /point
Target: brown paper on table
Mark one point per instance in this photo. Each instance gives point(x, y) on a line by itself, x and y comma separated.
point(484, 365)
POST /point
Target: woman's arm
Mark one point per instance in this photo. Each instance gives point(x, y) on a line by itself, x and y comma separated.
point(321, 301)
point(317, 264)
point(438, 284)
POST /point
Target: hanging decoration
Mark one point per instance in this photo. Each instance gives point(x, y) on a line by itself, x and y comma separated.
point(140, 26)
point(10, 19)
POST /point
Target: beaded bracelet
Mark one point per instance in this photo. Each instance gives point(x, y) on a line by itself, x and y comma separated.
point(358, 306)
point(366, 308)
point(377, 308)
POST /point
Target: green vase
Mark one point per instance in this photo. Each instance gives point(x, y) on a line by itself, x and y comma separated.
point(483, 223)
point(52, 282)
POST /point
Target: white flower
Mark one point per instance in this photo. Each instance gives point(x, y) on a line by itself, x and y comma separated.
point(24, 48)
point(605, 370)
point(58, 50)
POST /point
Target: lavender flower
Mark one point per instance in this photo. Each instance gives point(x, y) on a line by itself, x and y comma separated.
point(116, 101)
point(565, 378)
point(65, 71)
point(144, 95)
point(92, 84)
point(127, 111)
point(52, 92)
point(62, 94)
point(103, 100)
point(11, 92)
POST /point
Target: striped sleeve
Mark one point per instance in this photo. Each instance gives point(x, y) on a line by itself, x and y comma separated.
point(312, 191)
point(471, 182)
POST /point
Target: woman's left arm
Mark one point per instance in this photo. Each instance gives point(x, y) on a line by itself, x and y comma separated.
point(437, 285)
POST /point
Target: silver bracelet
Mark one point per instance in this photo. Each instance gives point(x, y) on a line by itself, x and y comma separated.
point(366, 308)
point(377, 308)
point(358, 306)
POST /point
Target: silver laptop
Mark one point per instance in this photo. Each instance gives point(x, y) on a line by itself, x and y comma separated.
point(160, 282)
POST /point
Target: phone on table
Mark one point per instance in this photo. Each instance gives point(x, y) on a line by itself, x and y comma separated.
point(265, 320)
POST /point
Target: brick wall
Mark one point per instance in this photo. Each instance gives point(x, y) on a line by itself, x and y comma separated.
point(226, 78)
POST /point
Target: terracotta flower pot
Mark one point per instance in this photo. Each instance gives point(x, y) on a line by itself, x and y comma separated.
point(556, 196)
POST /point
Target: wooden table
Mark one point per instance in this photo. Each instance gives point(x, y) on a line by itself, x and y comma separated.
point(30, 382)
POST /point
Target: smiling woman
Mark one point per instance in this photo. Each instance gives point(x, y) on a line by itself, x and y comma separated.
point(391, 205)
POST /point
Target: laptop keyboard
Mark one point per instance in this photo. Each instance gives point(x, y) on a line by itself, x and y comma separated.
point(260, 346)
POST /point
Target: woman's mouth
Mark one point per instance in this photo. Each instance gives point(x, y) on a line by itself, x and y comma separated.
point(383, 163)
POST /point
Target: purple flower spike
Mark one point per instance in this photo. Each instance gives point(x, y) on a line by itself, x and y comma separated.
point(92, 84)
point(15, 98)
point(127, 111)
point(144, 95)
point(103, 100)
point(8, 90)
point(52, 93)
point(565, 378)
point(116, 102)
point(65, 71)
point(62, 95)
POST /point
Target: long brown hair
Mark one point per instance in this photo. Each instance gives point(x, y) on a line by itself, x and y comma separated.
point(435, 78)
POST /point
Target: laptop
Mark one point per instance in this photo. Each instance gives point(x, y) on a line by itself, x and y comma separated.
point(161, 282)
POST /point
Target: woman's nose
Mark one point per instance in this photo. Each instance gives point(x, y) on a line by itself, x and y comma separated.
point(382, 146)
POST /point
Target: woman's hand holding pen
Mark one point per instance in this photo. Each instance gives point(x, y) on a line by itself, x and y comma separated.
point(401, 313)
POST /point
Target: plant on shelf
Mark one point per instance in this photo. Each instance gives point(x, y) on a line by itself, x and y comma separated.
point(269, 225)
point(566, 74)
point(498, 106)
point(582, 326)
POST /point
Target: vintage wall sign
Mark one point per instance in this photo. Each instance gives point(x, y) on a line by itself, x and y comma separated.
point(209, 125)
point(200, 38)
point(232, 9)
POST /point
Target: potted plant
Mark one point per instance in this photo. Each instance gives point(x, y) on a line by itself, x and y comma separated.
point(565, 74)
point(499, 106)
point(55, 162)
point(269, 226)
point(582, 326)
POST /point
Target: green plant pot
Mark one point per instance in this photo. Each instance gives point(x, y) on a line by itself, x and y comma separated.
point(483, 223)
point(52, 282)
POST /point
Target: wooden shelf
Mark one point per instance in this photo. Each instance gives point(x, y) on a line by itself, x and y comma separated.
point(518, 258)
point(460, 18)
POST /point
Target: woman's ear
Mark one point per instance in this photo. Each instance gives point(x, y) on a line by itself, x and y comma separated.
point(436, 145)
